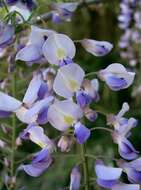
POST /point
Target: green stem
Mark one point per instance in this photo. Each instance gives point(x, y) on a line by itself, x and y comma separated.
point(85, 167)
point(13, 130)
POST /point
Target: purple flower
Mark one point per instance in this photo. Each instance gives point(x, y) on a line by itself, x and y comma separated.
point(62, 11)
point(117, 77)
point(123, 186)
point(6, 34)
point(107, 176)
point(133, 170)
point(75, 179)
point(41, 161)
point(96, 48)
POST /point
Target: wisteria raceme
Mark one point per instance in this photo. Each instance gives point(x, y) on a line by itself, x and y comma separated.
point(61, 96)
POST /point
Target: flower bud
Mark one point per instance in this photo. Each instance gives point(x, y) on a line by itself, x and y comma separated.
point(65, 143)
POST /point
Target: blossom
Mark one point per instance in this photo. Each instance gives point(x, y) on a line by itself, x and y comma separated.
point(65, 143)
point(41, 161)
point(6, 34)
point(22, 7)
point(107, 176)
point(75, 179)
point(121, 134)
point(59, 49)
point(34, 106)
point(117, 77)
point(34, 46)
point(96, 48)
point(36, 134)
point(62, 11)
point(133, 170)
point(68, 80)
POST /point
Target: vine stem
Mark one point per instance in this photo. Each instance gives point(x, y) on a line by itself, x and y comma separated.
point(85, 166)
point(13, 130)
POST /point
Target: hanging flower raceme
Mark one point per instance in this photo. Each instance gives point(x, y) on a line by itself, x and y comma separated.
point(121, 134)
point(59, 49)
point(24, 8)
point(65, 114)
point(6, 34)
point(62, 11)
point(75, 179)
point(117, 77)
point(33, 108)
point(34, 46)
point(96, 48)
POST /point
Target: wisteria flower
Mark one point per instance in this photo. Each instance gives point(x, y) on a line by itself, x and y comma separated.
point(133, 170)
point(34, 106)
point(36, 134)
point(59, 49)
point(121, 134)
point(6, 34)
point(63, 11)
point(34, 46)
point(24, 8)
point(75, 179)
point(117, 77)
point(107, 176)
point(96, 48)
point(68, 80)
point(41, 161)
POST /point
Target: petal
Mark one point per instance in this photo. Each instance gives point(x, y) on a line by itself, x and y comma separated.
point(68, 80)
point(83, 99)
point(107, 173)
point(6, 35)
point(136, 164)
point(34, 56)
point(63, 114)
point(126, 150)
point(8, 103)
point(126, 187)
point(96, 48)
point(134, 176)
point(58, 47)
point(31, 94)
point(22, 9)
point(43, 116)
point(75, 179)
point(81, 133)
point(38, 107)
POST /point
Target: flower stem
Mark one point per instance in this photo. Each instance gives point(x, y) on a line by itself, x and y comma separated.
point(13, 130)
point(85, 166)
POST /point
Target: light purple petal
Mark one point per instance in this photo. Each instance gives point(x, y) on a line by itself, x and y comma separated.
point(106, 183)
point(8, 103)
point(126, 187)
point(34, 56)
point(75, 179)
point(81, 133)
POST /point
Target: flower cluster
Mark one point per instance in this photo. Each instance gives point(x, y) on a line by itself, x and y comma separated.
point(129, 22)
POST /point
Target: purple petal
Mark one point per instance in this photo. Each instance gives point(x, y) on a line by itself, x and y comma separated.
point(75, 179)
point(134, 176)
point(83, 99)
point(126, 150)
point(116, 83)
point(81, 133)
point(107, 183)
point(5, 113)
point(42, 91)
point(42, 116)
